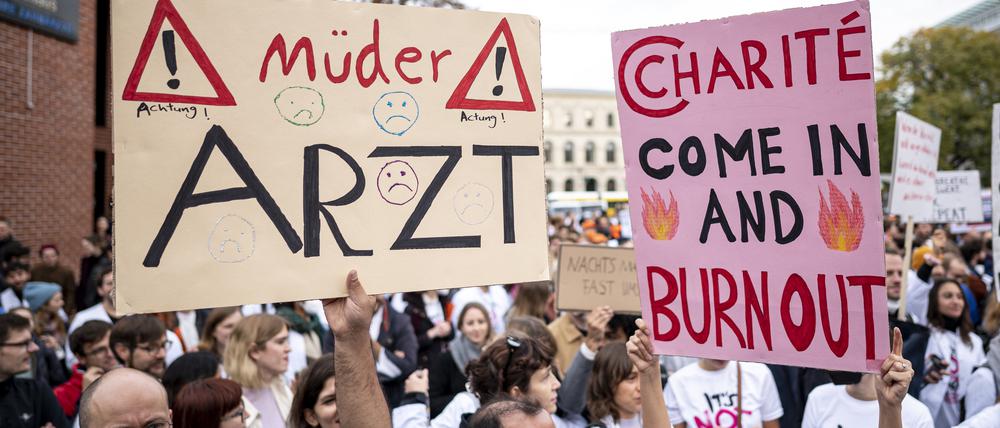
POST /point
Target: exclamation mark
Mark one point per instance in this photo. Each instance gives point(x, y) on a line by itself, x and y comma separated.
point(168, 52)
point(501, 55)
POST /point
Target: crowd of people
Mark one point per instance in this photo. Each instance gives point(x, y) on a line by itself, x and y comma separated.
point(496, 356)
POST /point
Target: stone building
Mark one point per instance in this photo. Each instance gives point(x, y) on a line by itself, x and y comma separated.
point(582, 146)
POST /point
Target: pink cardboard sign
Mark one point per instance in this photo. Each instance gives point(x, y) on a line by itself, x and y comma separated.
point(752, 165)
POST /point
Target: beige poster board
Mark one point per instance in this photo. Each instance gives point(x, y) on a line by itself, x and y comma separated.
point(263, 149)
point(590, 276)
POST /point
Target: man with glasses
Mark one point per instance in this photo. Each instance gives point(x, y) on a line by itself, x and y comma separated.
point(23, 402)
point(140, 342)
point(91, 345)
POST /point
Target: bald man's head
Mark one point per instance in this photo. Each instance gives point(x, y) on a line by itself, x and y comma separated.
point(124, 398)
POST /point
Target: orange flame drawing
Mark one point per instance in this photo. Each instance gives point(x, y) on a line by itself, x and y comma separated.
point(660, 223)
point(840, 224)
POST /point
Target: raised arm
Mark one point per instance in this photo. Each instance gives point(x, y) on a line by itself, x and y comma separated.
point(359, 397)
point(640, 351)
point(891, 384)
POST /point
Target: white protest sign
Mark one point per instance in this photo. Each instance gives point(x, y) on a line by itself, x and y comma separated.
point(263, 149)
point(914, 166)
point(957, 199)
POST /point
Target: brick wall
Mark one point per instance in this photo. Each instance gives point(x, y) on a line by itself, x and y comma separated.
point(47, 152)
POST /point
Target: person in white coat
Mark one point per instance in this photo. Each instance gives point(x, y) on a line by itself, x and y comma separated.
point(952, 353)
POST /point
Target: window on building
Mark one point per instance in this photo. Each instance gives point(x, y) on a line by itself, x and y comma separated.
point(590, 184)
point(548, 186)
point(547, 151)
point(568, 119)
point(609, 152)
point(568, 185)
point(612, 185)
point(588, 118)
point(611, 120)
point(588, 153)
point(101, 72)
point(568, 152)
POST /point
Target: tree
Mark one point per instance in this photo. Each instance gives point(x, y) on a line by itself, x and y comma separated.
point(948, 77)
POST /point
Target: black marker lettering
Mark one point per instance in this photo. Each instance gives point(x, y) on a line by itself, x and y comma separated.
point(506, 154)
point(312, 207)
point(186, 198)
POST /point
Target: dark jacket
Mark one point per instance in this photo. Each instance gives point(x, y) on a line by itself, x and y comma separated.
point(444, 382)
point(428, 349)
point(28, 403)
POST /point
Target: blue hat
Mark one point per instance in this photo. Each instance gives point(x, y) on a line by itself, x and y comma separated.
point(37, 293)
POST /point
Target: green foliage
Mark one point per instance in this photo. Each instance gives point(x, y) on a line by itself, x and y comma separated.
point(949, 77)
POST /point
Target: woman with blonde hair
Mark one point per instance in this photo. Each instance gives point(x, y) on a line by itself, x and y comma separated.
point(256, 357)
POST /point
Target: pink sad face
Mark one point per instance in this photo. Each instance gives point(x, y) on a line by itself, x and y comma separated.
point(397, 183)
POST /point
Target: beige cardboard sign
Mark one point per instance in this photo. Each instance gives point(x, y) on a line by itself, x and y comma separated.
point(263, 149)
point(591, 276)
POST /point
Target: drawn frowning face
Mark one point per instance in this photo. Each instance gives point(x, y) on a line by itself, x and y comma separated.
point(397, 182)
point(473, 203)
point(299, 105)
point(232, 240)
point(396, 112)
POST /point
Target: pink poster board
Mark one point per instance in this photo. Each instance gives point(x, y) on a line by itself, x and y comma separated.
point(752, 167)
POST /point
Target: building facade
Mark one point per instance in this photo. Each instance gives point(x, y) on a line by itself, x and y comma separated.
point(983, 16)
point(582, 146)
point(55, 130)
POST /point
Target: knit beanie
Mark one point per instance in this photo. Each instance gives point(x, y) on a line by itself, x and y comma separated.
point(37, 293)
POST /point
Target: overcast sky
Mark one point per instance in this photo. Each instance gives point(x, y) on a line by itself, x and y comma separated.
point(576, 43)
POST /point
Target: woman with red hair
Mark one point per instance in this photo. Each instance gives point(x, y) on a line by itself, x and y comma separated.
point(209, 403)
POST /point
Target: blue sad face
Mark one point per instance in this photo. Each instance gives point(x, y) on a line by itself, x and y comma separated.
point(396, 112)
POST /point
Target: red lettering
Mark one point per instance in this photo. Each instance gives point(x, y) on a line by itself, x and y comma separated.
point(278, 46)
point(721, 307)
point(370, 49)
point(787, 56)
point(623, 84)
point(839, 346)
point(810, 38)
point(867, 282)
point(801, 335)
point(755, 306)
point(842, 55)
point(698, 336)
point(752, 69)
point(638, 77)
point(722, 67)
point(408, 54)
point(435, 58)
point(690, 74)
point(344, 73)
point(659, 306)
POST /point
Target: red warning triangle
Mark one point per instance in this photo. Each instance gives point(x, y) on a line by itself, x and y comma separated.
point(165, 11)
point(460, 97)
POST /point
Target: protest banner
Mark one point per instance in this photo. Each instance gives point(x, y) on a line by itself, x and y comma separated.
point(956, 198)
point(264, 149)
point(913, 187)
point(995, 184)
point(593, 275)
point(752, 162)
point(914, 166)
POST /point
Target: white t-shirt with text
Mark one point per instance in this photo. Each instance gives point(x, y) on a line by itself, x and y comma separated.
point(708, 398)
point(830, 406)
